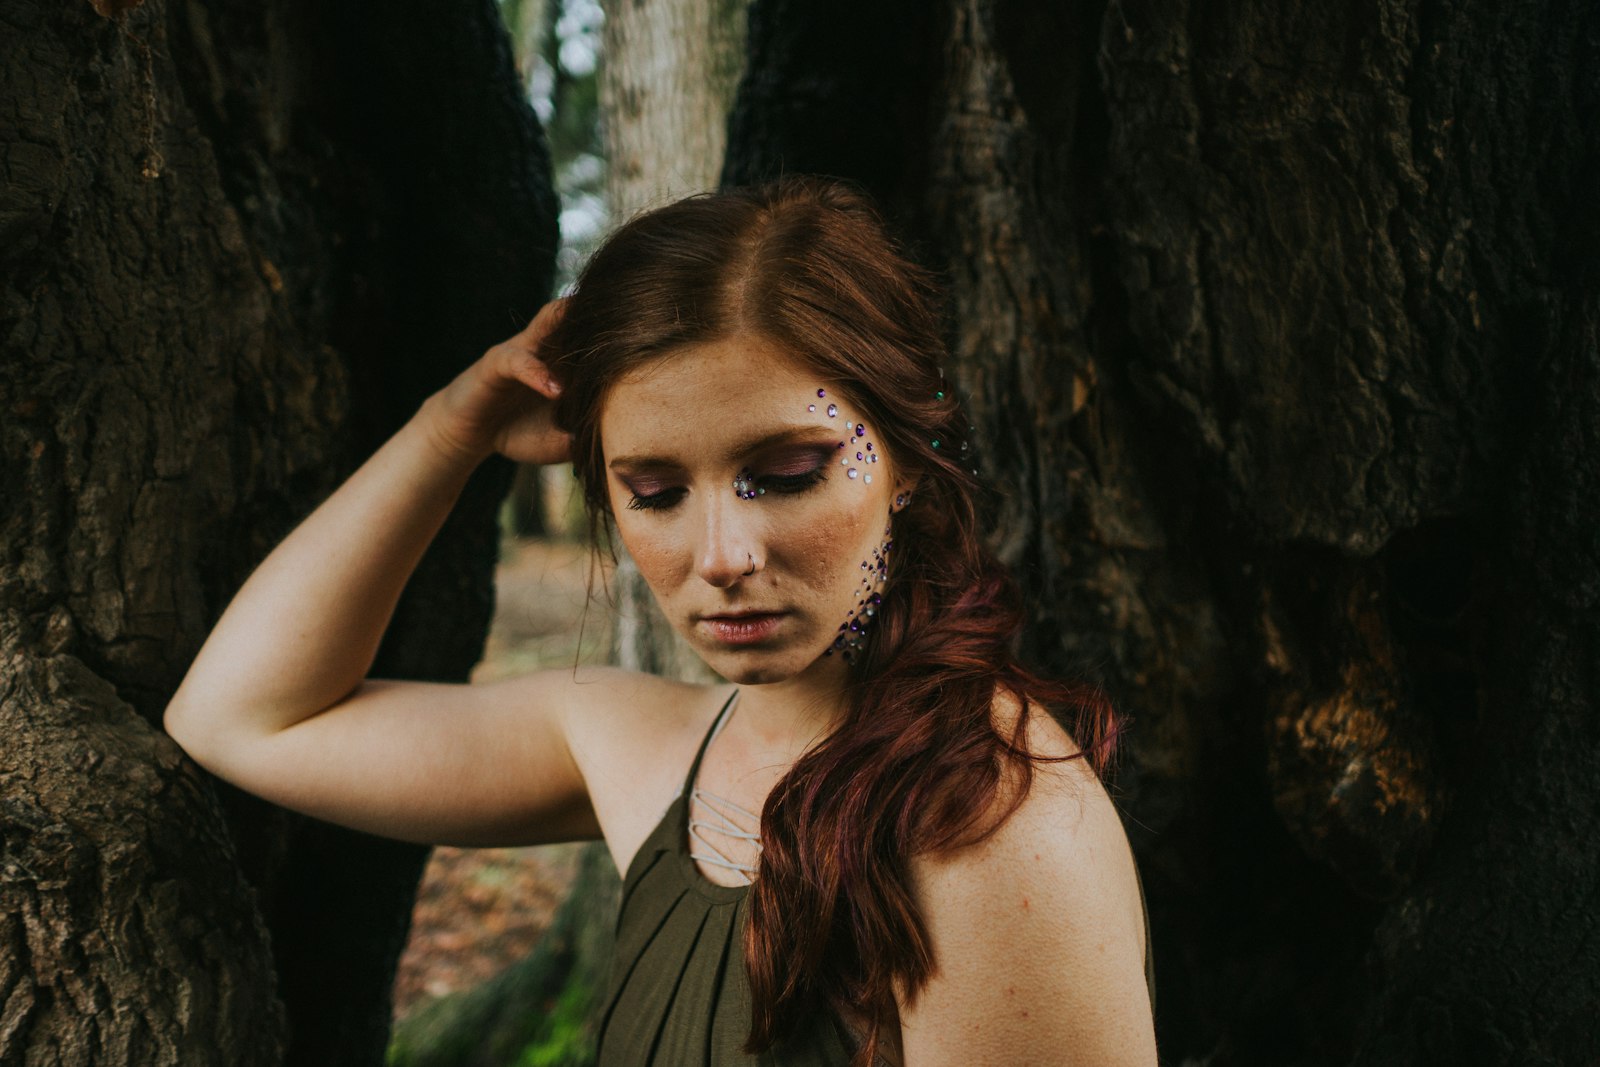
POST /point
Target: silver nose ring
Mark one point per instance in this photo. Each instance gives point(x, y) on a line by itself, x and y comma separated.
point(752, 569)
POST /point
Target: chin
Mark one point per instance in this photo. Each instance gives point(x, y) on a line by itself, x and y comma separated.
point(757, 668)
point(756, 676)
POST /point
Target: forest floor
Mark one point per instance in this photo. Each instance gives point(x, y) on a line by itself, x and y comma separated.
point(480, 910)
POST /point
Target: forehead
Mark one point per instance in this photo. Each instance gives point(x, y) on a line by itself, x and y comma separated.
point(713, 392)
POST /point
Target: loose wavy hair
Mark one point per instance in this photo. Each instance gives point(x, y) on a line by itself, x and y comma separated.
point(919, 764)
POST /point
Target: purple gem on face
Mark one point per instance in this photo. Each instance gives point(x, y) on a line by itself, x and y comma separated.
point(744, 485)
point(869, 446)
point(822, 392)
point(833, 409)
point(860, 456)
point(861, 431)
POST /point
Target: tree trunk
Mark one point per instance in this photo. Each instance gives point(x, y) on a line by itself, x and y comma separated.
point(667, 80)
point(238, 246)
point(1280, 324)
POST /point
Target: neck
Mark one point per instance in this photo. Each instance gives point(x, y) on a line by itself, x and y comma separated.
point(788, 717)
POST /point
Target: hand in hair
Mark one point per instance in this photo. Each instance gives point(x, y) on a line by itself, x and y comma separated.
point(504, 402)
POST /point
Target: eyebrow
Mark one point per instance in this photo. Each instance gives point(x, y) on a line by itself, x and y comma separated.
point(808, 433)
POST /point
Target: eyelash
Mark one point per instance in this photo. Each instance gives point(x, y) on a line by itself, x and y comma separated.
point(777, 483)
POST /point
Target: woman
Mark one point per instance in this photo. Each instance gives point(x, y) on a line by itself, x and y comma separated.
point(747, 385)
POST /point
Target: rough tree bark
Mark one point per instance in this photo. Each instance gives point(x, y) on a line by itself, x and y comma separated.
point(1280, 324)
point(238, 245)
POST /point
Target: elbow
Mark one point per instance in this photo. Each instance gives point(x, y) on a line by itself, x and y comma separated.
point(178, 722)
point(187, 726)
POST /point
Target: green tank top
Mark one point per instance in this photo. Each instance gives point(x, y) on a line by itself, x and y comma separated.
point(679, 994)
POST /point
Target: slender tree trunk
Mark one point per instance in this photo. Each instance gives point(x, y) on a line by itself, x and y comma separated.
point(668, 78)
point(1280, 322)
point(238, 245)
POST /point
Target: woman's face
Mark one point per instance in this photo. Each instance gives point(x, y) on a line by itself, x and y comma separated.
point(754, 501)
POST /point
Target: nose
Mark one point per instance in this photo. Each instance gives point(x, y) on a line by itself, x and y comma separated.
point(729, 541)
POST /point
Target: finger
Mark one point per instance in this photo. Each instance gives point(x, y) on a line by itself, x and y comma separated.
point(545, 447)
point(547, 318)
point(531, 371)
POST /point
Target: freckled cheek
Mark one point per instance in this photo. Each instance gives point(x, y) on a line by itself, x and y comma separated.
point(662, 558)
point(826, 554)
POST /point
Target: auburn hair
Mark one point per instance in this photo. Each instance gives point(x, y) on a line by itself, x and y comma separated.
point(918, 764)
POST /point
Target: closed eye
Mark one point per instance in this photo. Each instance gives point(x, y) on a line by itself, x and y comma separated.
point(791, 483)
point(793, 469)
point(664, 498)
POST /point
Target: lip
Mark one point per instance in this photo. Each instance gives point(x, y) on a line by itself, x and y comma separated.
point(742, 627)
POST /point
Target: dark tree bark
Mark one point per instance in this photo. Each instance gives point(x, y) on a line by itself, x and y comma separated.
point(238, 245)
point(1280, 325)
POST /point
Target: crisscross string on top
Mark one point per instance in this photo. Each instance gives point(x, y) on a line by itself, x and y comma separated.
point(721, 819)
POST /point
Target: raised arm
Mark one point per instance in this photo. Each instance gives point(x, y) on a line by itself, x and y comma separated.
point(277, 703)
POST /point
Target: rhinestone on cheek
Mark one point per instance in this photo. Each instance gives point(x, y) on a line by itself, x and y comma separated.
point(833, 409)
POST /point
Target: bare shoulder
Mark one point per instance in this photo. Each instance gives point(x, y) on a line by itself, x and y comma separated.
point(618, 713)
point(633, 737)
point(1037, 930)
